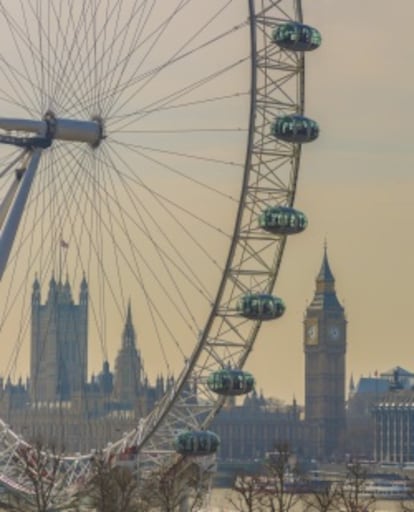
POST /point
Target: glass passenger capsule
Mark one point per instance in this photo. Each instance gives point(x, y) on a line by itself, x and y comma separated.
point(297, 37)
point(261, 306)
point(282, 220)
point(196, 442)
point(295, 128)
point(230, 382)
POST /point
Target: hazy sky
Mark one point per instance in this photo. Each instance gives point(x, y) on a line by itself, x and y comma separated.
point(356, 185)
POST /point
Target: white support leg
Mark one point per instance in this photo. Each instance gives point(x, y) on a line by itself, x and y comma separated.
point(11, 225)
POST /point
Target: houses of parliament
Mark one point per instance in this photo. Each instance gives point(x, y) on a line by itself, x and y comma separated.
point(57, 404)
point(60, 406)
point(316, 431)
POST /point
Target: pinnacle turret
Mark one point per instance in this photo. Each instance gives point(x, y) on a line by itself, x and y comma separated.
point(325, 294)
point(83, 294)
point(325, 274)
point(128, 371)
point(129, 336)
point(36, 291)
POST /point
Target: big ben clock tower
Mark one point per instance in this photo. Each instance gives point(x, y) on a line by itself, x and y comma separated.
point(325, 348)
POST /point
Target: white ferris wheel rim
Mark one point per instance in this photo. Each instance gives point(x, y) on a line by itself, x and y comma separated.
point(269, 177)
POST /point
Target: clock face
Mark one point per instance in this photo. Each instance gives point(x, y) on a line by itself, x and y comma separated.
point(334, 332)
point(311, 333)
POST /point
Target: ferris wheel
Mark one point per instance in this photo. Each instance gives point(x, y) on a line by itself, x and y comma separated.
point(158, 144)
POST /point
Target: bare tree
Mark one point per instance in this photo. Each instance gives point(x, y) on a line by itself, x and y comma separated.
point(111, 487)
point(322, 499)
point(352, 496)
point(39, 470)
point(247, 492)
point(178, 485)
point(284, 480)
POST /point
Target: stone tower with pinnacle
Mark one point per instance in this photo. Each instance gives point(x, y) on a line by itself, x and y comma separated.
point(59, 336)
point(325, 349)
point(128, 367)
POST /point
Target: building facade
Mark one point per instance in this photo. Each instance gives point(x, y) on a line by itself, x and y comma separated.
point(325, 349)
point(128, 381)
point(248, 431)
point(58, 404)
point(394, 428)
point(59, 342)
point(393, 415)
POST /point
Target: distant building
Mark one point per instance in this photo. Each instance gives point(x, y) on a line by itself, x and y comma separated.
point(58, 404)
point(358, 442)
point(128, 383)
point(378, 411)
point(250, 430)
point(59, 342)
point(393, 414)
point(363, 396)
point(325, 348)
point(394, 427)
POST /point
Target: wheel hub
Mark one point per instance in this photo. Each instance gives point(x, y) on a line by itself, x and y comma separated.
point(55, 128)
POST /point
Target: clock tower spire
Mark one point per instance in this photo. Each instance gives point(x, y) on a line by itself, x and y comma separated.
point(325, 348)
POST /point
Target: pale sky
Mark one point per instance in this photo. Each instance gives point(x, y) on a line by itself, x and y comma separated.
point(356, 185)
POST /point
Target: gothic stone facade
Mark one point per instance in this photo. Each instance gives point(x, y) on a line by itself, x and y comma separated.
point(325, 348)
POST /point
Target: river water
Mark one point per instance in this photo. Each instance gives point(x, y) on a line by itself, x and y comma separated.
point(219, 502)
